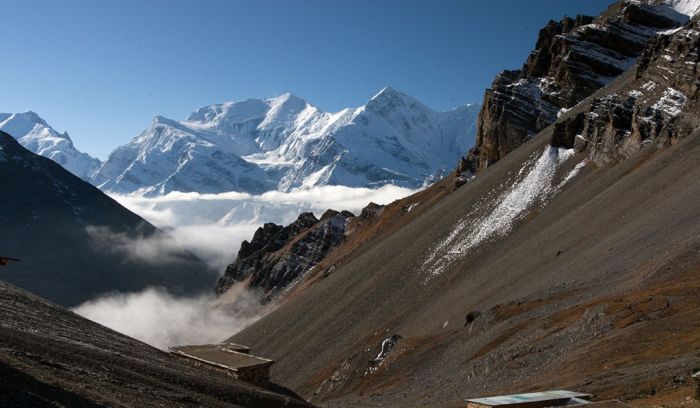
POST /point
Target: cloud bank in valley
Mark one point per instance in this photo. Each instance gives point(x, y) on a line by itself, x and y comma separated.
point(158, 249)
point(162, 320)
point(214, 225)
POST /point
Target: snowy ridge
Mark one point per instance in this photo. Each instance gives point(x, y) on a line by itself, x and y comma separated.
point(32, 132)
point(284, 143)
point(688, 7)
point(526, 191)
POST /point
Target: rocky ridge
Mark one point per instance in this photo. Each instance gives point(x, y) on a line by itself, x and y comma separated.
point(572, 59)
point(656, 109)
point(277, 257)
point(283, 261)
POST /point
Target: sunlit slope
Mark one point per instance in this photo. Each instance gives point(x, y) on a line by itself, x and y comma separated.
point(571, 269)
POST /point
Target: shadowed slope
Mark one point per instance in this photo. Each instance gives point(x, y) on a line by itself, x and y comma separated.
point(52, 357)
point(75, 242)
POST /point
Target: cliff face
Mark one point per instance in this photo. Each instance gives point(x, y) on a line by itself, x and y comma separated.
point(277, 255)
point(572, 59)
point(658, 108)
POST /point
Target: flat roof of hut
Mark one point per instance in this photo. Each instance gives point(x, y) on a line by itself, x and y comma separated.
point(231, 357)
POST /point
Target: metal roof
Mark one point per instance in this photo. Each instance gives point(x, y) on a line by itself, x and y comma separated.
point(530, 397)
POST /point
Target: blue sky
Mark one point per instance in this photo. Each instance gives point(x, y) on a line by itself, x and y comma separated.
point(101, 70)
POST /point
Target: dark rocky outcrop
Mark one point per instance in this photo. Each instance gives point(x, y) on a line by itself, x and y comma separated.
point(466, 168)
point(372, 210)
point(471, 316)
point(278, 255)
point(572, 59)
point(387, 344)
point(565, 131)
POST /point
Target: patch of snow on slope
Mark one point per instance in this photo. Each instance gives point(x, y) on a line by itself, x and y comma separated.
point(535, 186)
point(571, 174)
point(412, 206)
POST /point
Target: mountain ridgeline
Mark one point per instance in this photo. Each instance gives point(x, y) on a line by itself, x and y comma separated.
point(50, 357)
point(282, 143)
point(260, 145)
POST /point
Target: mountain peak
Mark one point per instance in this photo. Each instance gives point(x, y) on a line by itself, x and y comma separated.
point(33, 116)
point(392, 99)
point(388, 92)
point(287, 99)
point(19, 124)
point(230, 112)
point(36, 135)
point(287, 96)
point(159, 119)
point(244, 110)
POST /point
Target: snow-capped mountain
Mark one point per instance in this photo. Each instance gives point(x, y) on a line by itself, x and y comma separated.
point(285, 142)
point(36, 135)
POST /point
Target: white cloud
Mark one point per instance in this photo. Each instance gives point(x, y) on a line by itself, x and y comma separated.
point(156, 317)
point(214, 225)
point(157, 249)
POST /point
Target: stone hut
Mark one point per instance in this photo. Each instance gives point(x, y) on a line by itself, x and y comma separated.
point(231, 357)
